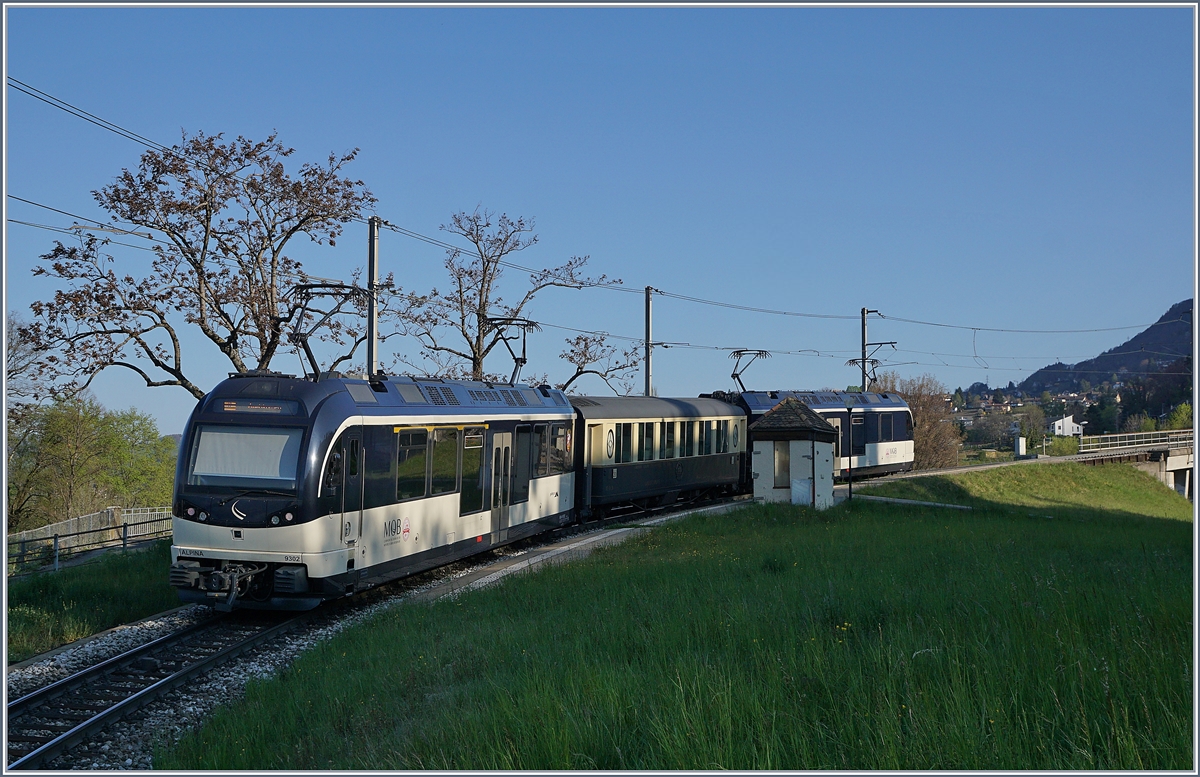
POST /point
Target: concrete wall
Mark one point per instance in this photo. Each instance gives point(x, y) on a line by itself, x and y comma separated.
point(809, 461)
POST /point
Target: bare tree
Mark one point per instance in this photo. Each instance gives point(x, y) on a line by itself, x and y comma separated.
point(21, 362)
point(589, 354)
point(222, 215)
point(457, 329)
point(935, 435)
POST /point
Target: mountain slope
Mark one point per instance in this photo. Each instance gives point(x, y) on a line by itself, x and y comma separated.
point(1151, 350)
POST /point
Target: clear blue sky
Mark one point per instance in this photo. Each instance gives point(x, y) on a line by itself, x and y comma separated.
point(1014, 168)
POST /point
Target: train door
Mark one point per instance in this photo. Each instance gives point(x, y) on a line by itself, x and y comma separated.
point(352, 485)
point(501, 484)
point(837, 439)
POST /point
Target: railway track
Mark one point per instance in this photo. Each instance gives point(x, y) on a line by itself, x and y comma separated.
point(51, 720)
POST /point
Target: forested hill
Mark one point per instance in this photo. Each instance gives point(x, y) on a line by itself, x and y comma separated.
point(1151, 350)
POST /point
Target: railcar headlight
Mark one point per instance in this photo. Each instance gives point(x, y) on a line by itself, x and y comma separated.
point(288, 516)
point(203, 516)
point(274, 520)
point(191, 511)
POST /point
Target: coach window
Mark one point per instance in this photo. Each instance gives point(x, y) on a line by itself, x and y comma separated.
point(908, 432)
point(689, 438)
point(560, 455)
point(667, 440)
point(626, 442)
point(541, 454)
point(646, 441)
point(522, 459)
point(471, 498)
point(444, 461)
point(885, 427)
point(706, 430)
point(723, 436)
point(783, 464)
point(410, 464)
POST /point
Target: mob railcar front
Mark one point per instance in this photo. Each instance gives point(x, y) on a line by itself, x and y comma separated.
point(290, 492)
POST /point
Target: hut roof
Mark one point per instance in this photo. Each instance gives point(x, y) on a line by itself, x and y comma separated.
point(792, 419)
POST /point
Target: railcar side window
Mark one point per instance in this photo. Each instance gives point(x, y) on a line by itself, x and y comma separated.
point(908, 432)
point(646, 440)
point(723, 436)
point(689, 438)
point(333, 469)
point(667, 440)
point(410, 464)
point(541, 453)
point(625, 442)
point(352, 459)
point(445, 461)
point(706, 434)
point(521, 465)
point(471, 498)
point(885, 427)
point(560, 451)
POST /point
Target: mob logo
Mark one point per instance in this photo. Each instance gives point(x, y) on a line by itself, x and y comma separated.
point(396, 528)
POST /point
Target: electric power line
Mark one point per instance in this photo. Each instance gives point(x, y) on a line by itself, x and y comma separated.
point(129, 134)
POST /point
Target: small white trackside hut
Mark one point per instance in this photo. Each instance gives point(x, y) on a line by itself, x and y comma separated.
point(792, 459)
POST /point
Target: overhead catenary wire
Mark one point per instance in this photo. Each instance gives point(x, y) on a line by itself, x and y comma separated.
point(98, 121)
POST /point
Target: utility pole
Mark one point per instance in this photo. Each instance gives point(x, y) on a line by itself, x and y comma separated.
point(865, 360)
point(865, 311)
point(372, 290)
point(649, 344)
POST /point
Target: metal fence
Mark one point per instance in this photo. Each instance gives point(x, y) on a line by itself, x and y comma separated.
point(48, 546)
point(1103, 442)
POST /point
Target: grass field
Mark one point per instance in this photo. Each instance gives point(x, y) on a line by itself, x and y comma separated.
point(48, 609)
point(866, 637)
point(1066, 489)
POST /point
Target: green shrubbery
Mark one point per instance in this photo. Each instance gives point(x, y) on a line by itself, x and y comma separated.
point(74, 457)
point(1063, 446)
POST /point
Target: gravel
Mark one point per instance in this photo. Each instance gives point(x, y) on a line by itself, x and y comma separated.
point(67, 662)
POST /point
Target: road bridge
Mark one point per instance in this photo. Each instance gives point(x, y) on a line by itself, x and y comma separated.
point(1168, 456)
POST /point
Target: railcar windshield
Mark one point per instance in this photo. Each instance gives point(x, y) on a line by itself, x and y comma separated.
point(247, 457)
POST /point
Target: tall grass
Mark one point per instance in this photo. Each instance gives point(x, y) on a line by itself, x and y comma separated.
point(48, 609)
point(865, 637)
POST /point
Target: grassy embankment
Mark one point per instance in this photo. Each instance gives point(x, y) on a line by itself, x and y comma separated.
point(866, 637)
point(48, 609)
point(1065, 489)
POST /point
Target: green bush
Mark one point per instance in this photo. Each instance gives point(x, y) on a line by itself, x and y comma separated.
point(1063, 446)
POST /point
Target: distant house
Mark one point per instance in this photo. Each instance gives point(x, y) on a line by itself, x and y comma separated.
point(1066, 427)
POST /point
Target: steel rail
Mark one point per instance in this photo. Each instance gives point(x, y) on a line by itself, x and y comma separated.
point(30, 700)
point(139, 699)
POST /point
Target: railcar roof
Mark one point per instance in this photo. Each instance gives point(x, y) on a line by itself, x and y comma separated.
point(399, 391)
point(759, 401)
point(652, 407)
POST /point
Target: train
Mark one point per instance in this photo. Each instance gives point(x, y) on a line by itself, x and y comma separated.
point(874, 433)
point(293, 491)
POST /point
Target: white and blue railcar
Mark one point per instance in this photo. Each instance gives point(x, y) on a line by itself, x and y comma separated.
point(289, 492)
point(874, 434)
